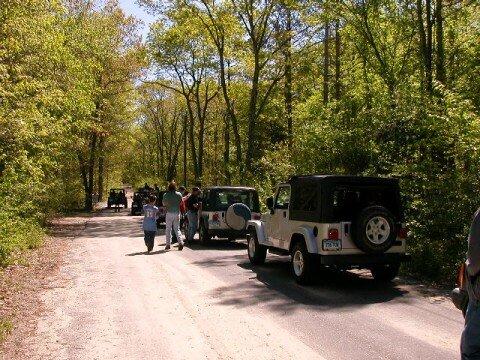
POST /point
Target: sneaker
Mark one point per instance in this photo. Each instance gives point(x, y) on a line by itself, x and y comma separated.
point(167, 247)
point(180, 247)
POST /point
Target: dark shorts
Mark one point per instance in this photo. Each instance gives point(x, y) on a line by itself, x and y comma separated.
point(470, 343)
point(149, 239)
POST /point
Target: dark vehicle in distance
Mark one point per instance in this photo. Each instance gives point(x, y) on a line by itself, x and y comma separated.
point(140, 198)
point(117, 197)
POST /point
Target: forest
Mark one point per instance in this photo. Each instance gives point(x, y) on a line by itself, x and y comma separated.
point(242, 92)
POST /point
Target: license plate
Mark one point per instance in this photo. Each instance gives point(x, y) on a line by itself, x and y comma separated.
point(332, 245)
point(214, 223)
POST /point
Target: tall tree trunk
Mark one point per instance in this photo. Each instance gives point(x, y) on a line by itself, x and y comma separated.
point(337, 60)
point(288, 77)
point(101, 167)
point(440, 58)
point(252, 114)
point(226, 152)
point(326, 62)
point(90, 172)
point(225, 83)
point(428, 62)
point(191, 133)
point(184, 133)
point(422, 42)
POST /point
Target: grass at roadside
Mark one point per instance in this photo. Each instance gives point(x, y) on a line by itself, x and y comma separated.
point(16, 236)
point(5, 327)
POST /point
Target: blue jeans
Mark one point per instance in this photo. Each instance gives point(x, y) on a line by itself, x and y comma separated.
point(470, 343)
point(192, 224)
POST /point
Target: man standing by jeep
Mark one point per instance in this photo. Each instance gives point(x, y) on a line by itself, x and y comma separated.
point(470, 343)
point(193, 204)
point(171, 200)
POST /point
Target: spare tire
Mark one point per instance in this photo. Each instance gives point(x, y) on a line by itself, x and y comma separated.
point(374, 230)
point(237, 216)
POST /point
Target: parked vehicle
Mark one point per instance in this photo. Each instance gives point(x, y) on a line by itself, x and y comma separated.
point(215, 203)
point(139, 199)
point(117, 197)
point(337, 221)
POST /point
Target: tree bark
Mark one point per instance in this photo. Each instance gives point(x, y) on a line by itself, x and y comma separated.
point(288, 77)
point(101, 167)
point(440, 58)
point(252, 113)
point(226, 152)
point(337, 60)
point(326, 62)
point(428, 54)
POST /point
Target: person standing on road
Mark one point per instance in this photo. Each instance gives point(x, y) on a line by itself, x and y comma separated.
point(171, 200)
point(150, 214)
point(470, 342)
point(193, 204)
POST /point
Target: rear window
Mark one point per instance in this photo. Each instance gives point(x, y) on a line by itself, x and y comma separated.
point(222, 199)
point(345, 202)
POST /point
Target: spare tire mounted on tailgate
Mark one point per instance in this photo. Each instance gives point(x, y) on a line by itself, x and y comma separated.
point(237, 216)
point(374, 230)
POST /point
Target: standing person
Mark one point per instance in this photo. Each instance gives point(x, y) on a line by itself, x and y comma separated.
point(171, 200)
point(150, 214)
point(182, 190)
point(193, 204)
point(470, 342)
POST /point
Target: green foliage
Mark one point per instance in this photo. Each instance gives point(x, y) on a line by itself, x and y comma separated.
point(58, 61)
point(6, 327)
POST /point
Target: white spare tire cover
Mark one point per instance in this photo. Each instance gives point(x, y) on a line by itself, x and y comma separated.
point(237, 216)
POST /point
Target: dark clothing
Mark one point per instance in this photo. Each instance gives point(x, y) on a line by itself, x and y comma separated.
point(473, 253)
point(473, 259)
point(150, 239)
point(191, 202)
point(470, 342)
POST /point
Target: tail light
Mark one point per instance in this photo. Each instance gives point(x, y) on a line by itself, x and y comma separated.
point(257, 217)
point(402, 232)
point(332, 234)
point(461, 277)
point(216, 217)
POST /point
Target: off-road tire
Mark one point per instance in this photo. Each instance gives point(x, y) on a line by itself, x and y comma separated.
point(203, 235)
point(385, 273)
point(304, 275)
point(378, 240)
point(256, 252)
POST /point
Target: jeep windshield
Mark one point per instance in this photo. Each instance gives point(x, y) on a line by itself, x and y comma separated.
point(221, 199)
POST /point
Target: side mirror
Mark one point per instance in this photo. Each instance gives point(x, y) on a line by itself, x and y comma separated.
point(270, 202)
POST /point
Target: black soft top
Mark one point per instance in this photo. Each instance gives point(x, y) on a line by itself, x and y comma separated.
point(241, 188)
point(346, 179)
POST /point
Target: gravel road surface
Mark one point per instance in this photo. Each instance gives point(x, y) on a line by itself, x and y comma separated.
point(112, 301)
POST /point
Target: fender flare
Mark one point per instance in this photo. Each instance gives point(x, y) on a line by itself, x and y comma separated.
point(259, 228)
point(307, 233)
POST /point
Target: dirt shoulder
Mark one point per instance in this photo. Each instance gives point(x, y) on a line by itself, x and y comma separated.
point(22, 284)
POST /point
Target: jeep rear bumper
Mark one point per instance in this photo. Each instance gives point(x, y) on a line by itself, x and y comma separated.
point(363, 260)
point(227, 233)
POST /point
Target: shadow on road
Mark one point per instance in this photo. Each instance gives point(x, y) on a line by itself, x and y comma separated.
point(272, 285)
point(220, 245)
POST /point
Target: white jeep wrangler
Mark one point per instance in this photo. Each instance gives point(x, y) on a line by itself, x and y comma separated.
point(336, 221)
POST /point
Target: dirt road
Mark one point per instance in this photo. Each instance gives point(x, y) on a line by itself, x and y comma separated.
point(111, 301)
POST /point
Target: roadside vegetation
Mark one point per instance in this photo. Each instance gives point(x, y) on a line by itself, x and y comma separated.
point(66, 83)
point(242, 92)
